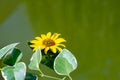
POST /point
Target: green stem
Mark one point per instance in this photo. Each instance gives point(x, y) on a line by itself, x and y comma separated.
point(70, 77)
point(52, 77)
point(40, 71)
point(43, 75)
point(0, 69)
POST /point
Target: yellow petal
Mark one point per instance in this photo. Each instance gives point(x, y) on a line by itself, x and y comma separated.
point(59, 49)
point(46, 49)
point(42, 47)
point(32, 46)
point(61, 45)
point(38, 38)
point(53, 49)
point(43, 36)
point(55, 36)
point(59, 40)
point(35, 49)
point(48, 34)
point(33, 41)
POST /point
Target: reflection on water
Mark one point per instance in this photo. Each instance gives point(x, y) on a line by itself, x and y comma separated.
point(17, 28)
point(91, 29)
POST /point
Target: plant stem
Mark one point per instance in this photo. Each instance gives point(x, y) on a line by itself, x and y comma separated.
point(40, 71)
point(43, 75)
point(70, 77)
point(52, 77)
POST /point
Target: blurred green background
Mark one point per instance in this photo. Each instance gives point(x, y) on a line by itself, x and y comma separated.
point(91, 28)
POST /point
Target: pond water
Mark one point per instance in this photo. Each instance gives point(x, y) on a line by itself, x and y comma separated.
point(91, 28)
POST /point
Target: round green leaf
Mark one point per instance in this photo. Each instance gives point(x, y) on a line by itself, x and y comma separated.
point(16, 72)
point(20, 71)
point(7, 73)
point(7, 48)
point(35, 60)
point(65, 63)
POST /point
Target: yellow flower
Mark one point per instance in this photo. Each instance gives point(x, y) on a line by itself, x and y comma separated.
point(48, 42)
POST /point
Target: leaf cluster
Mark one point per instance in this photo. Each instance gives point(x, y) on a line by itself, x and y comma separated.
point(11, 68)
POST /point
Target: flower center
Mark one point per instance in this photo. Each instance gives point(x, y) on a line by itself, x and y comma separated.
point(48, 42)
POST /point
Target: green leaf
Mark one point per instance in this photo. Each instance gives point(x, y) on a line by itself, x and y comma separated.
point(13, 57)
point(20, 71)
point(65, 63)
point(7, 73)
point(16, 72)
point(35, 60)
point(7, 48)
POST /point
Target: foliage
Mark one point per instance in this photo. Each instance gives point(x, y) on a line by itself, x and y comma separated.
point(63, 64)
